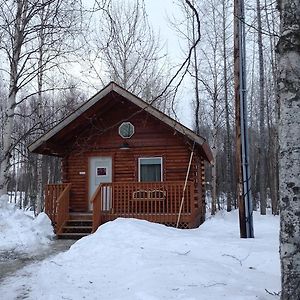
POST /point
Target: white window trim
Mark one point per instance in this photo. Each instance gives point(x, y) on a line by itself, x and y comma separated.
point(152, 157)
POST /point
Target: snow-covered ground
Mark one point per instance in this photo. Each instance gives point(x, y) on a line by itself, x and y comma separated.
point(20, 232)
point(132, 259)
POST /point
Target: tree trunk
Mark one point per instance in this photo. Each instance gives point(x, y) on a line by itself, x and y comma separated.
point(228, 135)
point(7, 143)
point(39, 191)
point(214, 174)
point(40, 196)
point(17, 40)
point(262, 138)
point(289, 141)
point(197, 96)
point(274, 180)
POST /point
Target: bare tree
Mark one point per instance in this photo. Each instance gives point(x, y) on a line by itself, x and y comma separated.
point(54, 32)
point(289, 138)
point(129, 50)
point(272, 25)
point(19, 34)
point(211, 74)
point(215, 76)
point(228, 142)
point(262, 138)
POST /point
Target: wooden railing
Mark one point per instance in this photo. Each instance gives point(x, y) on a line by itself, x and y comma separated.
point(63, 204)
point(153, 201)
point(97, 208)
point(57, 203)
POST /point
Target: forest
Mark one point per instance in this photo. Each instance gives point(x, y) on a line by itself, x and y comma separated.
point(55, 54)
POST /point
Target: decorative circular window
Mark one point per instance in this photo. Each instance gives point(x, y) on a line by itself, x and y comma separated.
point(126, 130)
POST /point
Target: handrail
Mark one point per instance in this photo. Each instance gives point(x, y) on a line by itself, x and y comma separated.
point(52, 193)
point(96, 201)
point(94, 196)
point(63, 208)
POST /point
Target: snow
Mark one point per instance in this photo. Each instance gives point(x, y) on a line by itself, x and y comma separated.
point(20, 232)
point(135, 259)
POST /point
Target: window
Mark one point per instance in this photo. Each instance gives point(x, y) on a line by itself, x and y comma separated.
point(126, 130)
point(101, 171)
point(150, 169)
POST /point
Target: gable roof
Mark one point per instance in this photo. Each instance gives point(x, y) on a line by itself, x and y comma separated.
point(144, 106)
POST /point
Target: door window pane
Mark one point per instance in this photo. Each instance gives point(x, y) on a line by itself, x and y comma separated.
point(101, 171)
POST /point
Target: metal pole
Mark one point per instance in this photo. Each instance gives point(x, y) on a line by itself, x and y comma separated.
point(246, 175)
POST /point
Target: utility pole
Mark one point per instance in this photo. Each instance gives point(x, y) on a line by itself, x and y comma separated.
point(242, 151)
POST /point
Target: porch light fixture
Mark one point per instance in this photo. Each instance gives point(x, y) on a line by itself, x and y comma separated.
point(124, 146)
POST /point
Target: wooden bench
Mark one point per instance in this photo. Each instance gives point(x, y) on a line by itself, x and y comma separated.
point(148, 201)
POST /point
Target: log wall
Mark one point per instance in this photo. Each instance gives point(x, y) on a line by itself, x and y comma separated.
point(152, 138)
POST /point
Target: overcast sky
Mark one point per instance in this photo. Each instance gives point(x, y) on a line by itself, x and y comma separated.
point(158, 12)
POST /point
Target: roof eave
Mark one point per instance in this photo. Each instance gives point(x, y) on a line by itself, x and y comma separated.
point(34, 147)
point(71, 117)
point(161, 116)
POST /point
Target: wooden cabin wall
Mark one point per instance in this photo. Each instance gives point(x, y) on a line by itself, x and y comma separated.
point(151, 138)
point(125, 168)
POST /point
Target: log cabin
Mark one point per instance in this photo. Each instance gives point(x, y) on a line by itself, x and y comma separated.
point(121, 157)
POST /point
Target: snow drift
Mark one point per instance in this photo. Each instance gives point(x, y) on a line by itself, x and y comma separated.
point(20, 232)
point(134, 259)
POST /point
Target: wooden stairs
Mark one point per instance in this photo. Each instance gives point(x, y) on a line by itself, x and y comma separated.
point(78, 226)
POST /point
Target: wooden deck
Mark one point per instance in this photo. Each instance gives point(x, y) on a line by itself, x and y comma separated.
point(154, 201)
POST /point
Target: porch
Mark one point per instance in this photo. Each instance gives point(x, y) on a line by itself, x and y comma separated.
point(152, 201)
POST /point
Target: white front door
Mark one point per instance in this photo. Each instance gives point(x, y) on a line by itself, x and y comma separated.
point(100, 171)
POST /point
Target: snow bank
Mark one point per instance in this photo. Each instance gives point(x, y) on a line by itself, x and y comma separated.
point(134, 259)
point(21, 233)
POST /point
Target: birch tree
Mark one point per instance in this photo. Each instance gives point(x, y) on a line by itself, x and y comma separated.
point(16, 33)
point(20, 25)
point(289, 141)
point(130, 50)
point(53, 39)
point(210, 73)
point(215, 76)
point(228, 143)
point(262, 138)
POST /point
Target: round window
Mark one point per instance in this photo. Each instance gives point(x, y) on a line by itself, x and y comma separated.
point(126, 130)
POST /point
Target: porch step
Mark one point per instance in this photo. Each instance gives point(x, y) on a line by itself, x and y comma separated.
point(78, 226)
point(79, 223)
point(72, 235)
point(85, 229)
point(81, 216)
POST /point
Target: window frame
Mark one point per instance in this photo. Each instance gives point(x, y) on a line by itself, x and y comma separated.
point(123, 124)
point(152, 157)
